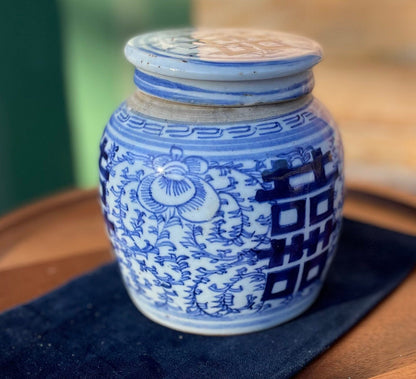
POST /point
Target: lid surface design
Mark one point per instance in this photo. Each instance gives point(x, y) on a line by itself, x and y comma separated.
point(222, 54)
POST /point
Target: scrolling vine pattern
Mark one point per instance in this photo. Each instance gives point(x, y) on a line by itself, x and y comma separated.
point(186, 234)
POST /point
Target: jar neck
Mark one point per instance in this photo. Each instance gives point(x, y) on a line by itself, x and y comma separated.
point(225, 93)
point(153, 107)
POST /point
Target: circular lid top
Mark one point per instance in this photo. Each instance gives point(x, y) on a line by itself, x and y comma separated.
point(222, 54)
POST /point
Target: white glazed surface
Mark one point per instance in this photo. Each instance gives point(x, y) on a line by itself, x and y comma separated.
point(210, 236)
point(226, 54)
point(223, 67)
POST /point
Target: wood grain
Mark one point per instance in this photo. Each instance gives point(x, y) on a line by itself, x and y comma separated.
point(21, 284)
point(64, 225)
point(384, 341)
point(45, 244)
point(406, 372)
point(384, 207)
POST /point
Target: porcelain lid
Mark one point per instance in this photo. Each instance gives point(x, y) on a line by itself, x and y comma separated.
point(222, 54)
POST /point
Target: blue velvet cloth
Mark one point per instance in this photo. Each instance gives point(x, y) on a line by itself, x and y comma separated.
point(90, 328)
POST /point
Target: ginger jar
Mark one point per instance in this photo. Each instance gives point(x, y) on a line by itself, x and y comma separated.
point(222, 179)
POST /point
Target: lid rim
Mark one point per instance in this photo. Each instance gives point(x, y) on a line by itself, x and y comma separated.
point(190, 67)
point(225, 93)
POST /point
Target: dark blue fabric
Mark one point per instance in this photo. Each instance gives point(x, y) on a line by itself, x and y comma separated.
point(89, 328)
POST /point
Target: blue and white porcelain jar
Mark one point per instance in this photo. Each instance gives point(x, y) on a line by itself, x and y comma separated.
point(222, 179)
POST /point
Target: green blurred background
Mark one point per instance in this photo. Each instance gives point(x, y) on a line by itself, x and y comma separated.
point(62, 74)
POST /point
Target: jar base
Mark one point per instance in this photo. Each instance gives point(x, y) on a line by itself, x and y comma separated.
point(219, 327)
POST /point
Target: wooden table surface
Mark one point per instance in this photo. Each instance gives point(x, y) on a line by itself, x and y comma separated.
point(45, 244)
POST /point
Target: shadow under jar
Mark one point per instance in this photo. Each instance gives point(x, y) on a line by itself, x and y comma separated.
point(222, 179)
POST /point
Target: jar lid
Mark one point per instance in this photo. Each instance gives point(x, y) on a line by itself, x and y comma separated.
point(224, 55)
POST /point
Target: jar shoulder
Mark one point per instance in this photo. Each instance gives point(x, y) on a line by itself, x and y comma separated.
point(145, 116)
point(147, 106)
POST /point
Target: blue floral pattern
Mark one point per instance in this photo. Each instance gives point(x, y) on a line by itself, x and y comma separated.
point(211, 239)
point(176, 184)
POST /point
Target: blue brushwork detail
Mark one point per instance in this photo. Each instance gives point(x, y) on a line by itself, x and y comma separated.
point(223, 225)
point(307, 61)
point(172, 211)
point(287, 277)
point(171, 89)
point(295, 251)
point(280, 175)
point(321, 189)
point(299, 206)
point(318, 264)
point(136, 125)
point(141, 79)
point(104, 176)
point(220, 147)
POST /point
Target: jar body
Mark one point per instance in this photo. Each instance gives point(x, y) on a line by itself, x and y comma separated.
point(223, 220)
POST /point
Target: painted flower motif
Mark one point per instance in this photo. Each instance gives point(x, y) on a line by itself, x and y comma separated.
point(176, 184)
